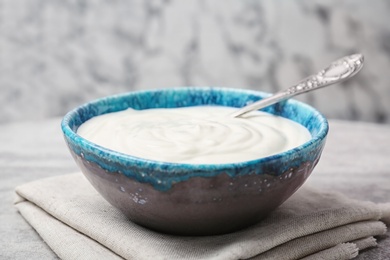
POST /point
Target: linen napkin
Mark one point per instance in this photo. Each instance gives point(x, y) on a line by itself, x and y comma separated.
point(77, 223)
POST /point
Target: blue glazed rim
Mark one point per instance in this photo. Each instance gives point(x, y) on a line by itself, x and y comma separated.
point(72, 120)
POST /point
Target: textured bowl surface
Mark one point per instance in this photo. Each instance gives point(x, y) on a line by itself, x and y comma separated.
point(196, 199)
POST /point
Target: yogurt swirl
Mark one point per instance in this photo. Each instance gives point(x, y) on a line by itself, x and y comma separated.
point(195, 135)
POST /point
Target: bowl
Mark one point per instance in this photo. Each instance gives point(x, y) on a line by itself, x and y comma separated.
point(194, 199)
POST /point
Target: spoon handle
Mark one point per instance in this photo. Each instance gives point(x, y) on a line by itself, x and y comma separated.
point(336, 72)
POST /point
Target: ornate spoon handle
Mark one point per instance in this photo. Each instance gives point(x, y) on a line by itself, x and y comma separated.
point(336, 72)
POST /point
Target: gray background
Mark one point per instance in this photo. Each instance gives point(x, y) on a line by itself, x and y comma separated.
point(57, 54)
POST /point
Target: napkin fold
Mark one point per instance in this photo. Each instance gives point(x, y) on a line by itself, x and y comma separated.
point(77, 223)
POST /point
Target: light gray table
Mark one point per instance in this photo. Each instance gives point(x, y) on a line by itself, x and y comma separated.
point(356, 161)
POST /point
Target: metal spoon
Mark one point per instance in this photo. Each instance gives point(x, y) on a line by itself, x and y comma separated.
point(336, 72)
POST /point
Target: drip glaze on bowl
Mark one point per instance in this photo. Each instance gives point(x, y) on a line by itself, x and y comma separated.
point(194, 199)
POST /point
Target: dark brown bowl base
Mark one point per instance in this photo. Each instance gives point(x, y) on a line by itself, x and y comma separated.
point(198, 206)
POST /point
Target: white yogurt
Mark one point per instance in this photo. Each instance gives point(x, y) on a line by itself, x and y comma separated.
point(195, 135)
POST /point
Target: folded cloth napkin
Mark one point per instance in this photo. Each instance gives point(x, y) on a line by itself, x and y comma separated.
point(77, 223)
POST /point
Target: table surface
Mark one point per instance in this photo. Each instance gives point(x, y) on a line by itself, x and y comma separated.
point(355, 162)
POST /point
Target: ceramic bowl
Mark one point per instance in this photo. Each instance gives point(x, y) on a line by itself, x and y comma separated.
point(188, 199)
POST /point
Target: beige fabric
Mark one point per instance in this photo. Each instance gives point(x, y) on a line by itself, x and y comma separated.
point(61, 238)
point(385, 208)
point(300, 247)
point(342, 251)
point(77, 223)
point(365, 243)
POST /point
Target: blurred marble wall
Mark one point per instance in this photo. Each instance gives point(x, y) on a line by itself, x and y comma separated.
point(56, 54)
